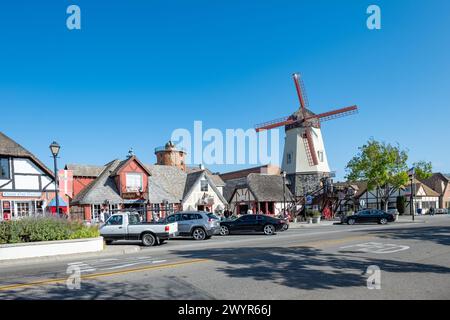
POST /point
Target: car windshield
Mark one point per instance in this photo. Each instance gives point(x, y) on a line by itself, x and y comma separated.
point(212, 216)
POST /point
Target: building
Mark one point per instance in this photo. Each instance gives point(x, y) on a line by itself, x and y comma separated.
point(423, 196)
point(441, 184)
point(26, 184)
point(266, 169)
point(121, 185)
point(170, 155)
point(260, 193)
point(151, 190)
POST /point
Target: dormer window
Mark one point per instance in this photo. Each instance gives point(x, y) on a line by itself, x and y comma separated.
point(134, 182)
point(4, 168)
point(204, 185)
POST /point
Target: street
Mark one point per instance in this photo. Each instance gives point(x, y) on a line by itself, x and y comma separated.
point(323, 262)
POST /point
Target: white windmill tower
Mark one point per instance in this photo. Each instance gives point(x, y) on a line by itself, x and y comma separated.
point(305, 160)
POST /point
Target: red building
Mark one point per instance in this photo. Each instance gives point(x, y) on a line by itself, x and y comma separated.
point(120, 185)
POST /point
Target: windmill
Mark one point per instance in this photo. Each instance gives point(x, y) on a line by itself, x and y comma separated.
point(304, 151)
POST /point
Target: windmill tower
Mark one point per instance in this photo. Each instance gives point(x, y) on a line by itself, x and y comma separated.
point(305, 160)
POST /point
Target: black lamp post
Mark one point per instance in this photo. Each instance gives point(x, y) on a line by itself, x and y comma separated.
point(283, 174)
point(411, 199)
point(54, 148)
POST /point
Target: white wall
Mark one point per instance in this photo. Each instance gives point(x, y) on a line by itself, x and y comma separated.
point(294, 144)
point(197, 194)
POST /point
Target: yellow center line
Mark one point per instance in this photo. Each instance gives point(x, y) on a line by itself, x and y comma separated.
point(105, 274)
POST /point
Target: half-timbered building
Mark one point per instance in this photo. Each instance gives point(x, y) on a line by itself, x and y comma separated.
point(26, 184)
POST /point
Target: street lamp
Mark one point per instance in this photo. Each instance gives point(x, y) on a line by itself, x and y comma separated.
point(411, 174)
point(54, 148)
point(283, 174)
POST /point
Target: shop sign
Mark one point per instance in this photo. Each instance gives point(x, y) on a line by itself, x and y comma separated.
point(130, 195)
point(22, 194)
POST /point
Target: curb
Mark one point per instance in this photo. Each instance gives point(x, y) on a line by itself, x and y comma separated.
point(68, 257)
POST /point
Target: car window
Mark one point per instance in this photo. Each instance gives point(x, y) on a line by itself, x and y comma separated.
point(171, 219)
point(247, 218)
point(364, 213)
point(185, 217)
point(260, 218)
point(115, 220)
point(133, 219)
point(212, 216)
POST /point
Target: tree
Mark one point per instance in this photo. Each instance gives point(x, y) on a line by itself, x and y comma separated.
point(383, 166)
point(401, 204)
point(423, 170)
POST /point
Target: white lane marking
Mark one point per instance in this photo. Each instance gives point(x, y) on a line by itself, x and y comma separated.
point(377, 247)
point(159, 261)
point(84, 267)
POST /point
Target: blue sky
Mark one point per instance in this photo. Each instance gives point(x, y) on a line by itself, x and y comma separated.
point(140, 69)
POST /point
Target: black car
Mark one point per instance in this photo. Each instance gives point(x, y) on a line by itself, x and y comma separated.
point(368, 216)
point(252, 223)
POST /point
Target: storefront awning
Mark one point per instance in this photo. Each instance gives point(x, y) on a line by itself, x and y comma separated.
point(61, 203)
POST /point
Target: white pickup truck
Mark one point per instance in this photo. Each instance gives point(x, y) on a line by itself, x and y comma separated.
point(127, 226)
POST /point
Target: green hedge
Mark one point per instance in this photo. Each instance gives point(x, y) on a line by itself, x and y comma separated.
point(44, 229)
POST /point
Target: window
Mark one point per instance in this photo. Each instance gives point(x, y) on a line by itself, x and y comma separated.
point(204, 185)
point(134, 181)
point(23, 209)
point(96, 208)
point(289, 158)
point(115, 220)
point(4, 168)
point(134, 219)
point(156, 208)
point(320, 155)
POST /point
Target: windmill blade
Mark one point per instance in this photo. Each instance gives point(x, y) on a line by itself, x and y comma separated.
point(312, 156)
point(301, 92)
point(339, 113)
point(274, 124)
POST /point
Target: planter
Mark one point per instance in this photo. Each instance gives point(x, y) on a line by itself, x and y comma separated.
point(316, 220)
point(49, 248)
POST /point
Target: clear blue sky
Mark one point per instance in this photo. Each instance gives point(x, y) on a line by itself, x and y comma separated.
point(140, 69)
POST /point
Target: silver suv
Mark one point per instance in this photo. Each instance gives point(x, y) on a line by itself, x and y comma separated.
point(196, 224)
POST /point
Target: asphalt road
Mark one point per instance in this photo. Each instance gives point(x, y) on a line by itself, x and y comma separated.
point(327, 262)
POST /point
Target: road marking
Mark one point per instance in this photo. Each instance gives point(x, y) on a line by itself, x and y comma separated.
point(377, 247)
point(331, 242)
point(105, 274)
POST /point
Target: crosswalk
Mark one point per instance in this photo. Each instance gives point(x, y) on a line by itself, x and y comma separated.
point(113, 263)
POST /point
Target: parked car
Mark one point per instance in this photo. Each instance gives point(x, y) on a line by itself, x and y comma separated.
point(441, 211)
point(369, 215)
point(252, 223)
point(127, 226)
point(198, 225)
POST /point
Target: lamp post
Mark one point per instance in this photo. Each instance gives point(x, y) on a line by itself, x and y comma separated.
point(54, 148)
point(411, 174)
point(283, 174)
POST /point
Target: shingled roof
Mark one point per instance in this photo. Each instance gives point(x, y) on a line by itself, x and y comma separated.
point(8, 147)
point(268, 188)
point(82, 170)
point(214, 177)
point(102, 188)
point(166, 183)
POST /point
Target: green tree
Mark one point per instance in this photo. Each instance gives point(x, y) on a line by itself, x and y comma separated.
point(382, 165)
point(423, 169)
point(401, 204)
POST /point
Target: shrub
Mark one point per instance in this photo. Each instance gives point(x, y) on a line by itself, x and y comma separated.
point(44, 229)
point(401, 204)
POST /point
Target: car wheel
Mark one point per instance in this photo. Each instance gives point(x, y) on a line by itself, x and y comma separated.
point(108, 242)
point(199, 234)
point(224, 231)
point(148, 240)
point(351, 221)
point(383, 221)
point(269, 230)
point(285, 227)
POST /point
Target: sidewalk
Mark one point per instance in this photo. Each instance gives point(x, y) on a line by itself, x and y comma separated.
point(108, 251)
